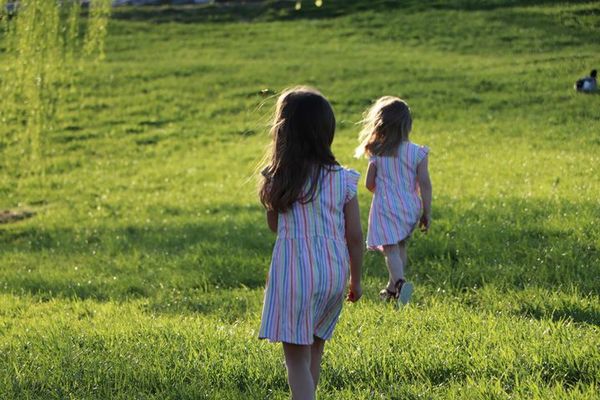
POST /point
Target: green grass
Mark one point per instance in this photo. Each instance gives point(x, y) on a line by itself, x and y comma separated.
point(141, 274)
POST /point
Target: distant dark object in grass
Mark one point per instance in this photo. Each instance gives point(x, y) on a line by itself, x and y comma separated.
point(11, 9)
point(588, 84)
point(8, 216)
point(147, 141)
point(158, 123)
point(39, 202)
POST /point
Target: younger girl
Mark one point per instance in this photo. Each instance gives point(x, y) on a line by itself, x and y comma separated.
point(311, 203)
point(397, 174)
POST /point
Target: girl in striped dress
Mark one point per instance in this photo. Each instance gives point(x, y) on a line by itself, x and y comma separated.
point(398, 176)
point(312, 206)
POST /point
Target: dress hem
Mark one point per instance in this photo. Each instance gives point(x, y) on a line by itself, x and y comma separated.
point(282, 340)
point(379, 247)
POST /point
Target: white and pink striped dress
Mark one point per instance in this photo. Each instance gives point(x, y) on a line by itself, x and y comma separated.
point(396, 205)
point(309, 269)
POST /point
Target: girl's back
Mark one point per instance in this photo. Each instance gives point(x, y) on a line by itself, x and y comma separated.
point(396, 205)
point(309, 267)
point(311, 203)
point(398, 174)
point(323, 216)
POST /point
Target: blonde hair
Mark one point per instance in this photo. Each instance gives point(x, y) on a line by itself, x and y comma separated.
point(385, 125)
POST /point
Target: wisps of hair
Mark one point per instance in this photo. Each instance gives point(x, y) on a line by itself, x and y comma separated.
point(385, 125)
point(302, 131)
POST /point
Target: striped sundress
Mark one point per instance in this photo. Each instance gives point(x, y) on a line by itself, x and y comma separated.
point(309, 268)
point(396, 205)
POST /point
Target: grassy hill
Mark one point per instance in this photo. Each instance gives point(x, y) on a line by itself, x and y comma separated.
point(141, 273)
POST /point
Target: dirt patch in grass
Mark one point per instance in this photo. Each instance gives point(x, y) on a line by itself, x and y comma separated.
point(8, 216)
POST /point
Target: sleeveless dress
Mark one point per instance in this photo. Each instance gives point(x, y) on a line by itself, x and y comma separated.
point(309, 269)
point(396, 205)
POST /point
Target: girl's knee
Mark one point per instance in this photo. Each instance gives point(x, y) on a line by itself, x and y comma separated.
point(318, 344)
point(296, 354)
point(390, 248)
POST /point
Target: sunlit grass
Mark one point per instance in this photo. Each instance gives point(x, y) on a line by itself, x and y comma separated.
point(141, 274)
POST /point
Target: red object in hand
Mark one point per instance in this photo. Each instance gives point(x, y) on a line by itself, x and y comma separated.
point(355, 293)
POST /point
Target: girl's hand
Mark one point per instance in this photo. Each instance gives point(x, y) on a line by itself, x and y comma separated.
point(424, 223)
point(355, 292)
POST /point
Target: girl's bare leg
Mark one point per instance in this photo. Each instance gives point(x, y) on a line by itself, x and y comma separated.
point(393, 260)
point(316, 353)
point(298, 363)
point(403, 255)
point(407, 288)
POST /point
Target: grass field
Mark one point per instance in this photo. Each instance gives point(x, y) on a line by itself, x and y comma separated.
point(141, 274)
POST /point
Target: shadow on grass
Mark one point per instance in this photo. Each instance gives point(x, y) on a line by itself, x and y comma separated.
point(568, 312)
point(534, 302)
point(566, 28)
point(197, 263)
point(232, 11)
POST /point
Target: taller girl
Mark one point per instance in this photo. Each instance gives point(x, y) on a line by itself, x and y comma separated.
point(398, 176)
point(311, 203)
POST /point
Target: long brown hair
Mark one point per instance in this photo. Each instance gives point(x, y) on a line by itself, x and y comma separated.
point(302, 132)
point(386, 124)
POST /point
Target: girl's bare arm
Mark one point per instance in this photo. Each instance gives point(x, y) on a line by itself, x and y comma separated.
point(425, 188)
point(354, 241)
point(371, 175)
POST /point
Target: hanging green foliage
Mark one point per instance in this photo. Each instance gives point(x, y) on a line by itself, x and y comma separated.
point(43, 53)
point(96, 33)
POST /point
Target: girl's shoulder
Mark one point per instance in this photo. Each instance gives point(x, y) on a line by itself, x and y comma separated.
point(419, 150)
point(403, 148)
point(343, 180)
point(344, 170)
point(416, 145)
point(350, 180)
point(350, 171)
